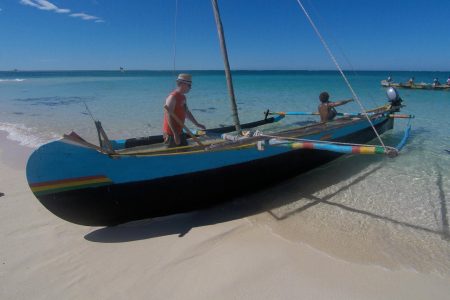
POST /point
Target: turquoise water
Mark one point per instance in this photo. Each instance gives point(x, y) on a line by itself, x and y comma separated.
point(38, 106)
point(399, 207)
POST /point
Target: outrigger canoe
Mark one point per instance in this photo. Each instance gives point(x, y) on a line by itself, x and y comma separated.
point(125, 180)
point(418, 86)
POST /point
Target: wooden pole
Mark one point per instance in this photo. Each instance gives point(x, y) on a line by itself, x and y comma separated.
point(105, 144)
point(227, 65)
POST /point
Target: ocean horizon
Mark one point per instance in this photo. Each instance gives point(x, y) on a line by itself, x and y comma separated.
point(213, 70)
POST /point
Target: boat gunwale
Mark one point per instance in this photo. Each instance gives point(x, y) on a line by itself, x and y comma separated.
point(309, 129)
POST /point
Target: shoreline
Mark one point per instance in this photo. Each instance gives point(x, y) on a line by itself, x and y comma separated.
point(12, 153)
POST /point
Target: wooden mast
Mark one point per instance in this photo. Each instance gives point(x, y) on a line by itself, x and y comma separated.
point(227, 65)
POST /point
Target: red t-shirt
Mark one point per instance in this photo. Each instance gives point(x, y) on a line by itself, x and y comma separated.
point(180, 112)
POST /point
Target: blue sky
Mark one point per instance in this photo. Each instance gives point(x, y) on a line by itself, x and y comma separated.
point(261, 34)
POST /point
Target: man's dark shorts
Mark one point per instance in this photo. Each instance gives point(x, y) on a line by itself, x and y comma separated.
point(169, 141)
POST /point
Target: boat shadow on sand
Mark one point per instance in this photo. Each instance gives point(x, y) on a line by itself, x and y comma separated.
point(267, 200)
point(296, 194)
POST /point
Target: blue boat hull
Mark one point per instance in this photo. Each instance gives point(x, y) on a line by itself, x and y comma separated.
point(86, 187)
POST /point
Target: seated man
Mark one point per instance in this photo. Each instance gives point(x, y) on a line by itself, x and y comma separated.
point(436, 82)
point(327, 109)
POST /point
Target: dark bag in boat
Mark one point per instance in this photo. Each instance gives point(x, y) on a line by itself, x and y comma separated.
point(142, 141)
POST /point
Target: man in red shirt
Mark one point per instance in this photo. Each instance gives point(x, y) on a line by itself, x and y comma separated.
point(177, 106)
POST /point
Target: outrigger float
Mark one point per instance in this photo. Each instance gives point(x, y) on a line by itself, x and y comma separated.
point(123, 180)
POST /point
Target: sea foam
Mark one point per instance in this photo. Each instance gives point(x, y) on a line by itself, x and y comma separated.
point(27, 136)
point(12, 80)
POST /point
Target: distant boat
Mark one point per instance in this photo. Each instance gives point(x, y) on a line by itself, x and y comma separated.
point(417, 86)
point(122, 69)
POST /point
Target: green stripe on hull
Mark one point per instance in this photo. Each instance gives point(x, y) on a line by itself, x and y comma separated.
point(70, 188)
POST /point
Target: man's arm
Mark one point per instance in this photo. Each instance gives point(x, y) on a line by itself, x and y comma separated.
point(193, 120)
point(339, 103)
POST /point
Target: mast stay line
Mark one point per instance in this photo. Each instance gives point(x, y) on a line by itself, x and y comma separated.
point(324, 43)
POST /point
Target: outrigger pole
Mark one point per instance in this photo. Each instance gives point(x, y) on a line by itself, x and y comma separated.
point(227, 65)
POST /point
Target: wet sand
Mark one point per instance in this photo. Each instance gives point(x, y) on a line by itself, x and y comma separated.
point(312, 237)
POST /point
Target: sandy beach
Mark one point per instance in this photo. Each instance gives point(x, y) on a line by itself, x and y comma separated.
point(251, 248)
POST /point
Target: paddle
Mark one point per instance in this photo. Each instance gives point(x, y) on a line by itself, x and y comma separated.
point(188, 131)
point(401, 116)
point(306, 113)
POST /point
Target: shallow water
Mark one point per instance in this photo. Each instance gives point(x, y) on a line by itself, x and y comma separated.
point(369, 209)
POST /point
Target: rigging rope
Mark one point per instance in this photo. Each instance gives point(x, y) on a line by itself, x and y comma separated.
point(89, 112)
point(175, 38)
point(324, 43)
point(342, 52)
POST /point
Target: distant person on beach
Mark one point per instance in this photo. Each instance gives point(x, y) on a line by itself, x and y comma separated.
point(389, 79)
point(448, 80)
point(436, 82)
point(177, 112)
point(411, 81)
point(327, 109)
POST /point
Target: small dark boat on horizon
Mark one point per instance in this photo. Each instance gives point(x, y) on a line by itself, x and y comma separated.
point(416, 86)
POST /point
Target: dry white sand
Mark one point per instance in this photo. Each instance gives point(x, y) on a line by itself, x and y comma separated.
point(227, 252)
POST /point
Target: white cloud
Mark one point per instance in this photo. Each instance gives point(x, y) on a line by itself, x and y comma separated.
point(47, 5)
point(84, 16)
